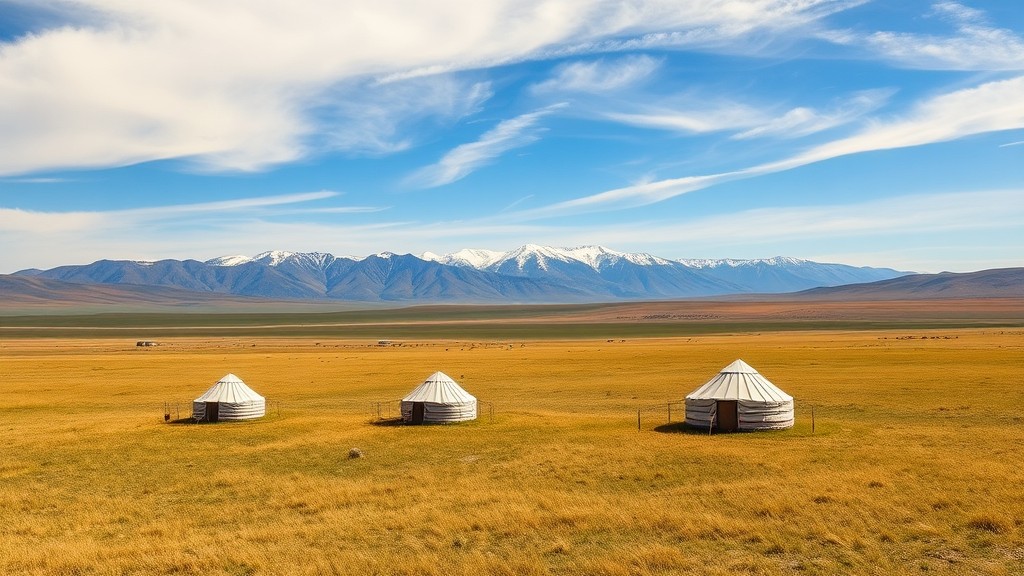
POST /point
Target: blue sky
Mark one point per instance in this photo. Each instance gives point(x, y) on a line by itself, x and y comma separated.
point(880, 133)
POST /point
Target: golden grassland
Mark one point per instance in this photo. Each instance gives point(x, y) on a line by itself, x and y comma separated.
point(914, 465)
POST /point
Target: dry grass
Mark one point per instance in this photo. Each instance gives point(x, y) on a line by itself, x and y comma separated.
point(913, 466)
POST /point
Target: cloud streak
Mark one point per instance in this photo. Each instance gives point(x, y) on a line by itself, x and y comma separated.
point(243, 88)
point(989, 107)
point(13, 220)
point(462, 160)
point(804, 121)
point(975, 45)
point(598, 76)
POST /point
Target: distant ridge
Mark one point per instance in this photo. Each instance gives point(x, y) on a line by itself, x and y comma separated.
point(529, 274)
point(29, 292)
point(995, 283)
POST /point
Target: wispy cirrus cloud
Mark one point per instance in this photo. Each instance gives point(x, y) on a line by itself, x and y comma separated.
point(700, 114)
point(35, 180)
point(105, 83)
point(900, 215)
point(598, 76)
point(989, 107)
point(51, 238)
point(13, 220)
point(462, 160)
point(376, 119)
point(692, 118)
point(975, 44)
point(802, 121)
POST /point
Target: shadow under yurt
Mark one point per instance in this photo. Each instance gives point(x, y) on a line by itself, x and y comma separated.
point(739, 398)
point(228, 399)
point(438, 400)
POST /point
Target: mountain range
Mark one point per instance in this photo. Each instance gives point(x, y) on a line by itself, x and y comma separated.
point(529, 274)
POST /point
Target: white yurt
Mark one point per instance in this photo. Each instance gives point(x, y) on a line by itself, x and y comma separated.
point(229, 399)
point(439, 399)
point(739, 398)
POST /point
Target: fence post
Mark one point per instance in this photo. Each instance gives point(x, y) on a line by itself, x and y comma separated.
point(812, 418)
point(638, 419)
point(670, 412)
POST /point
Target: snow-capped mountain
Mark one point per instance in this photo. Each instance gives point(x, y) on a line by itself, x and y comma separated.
point(530, 273)
point(542, 257)
point(784, 274)
point(277, 258)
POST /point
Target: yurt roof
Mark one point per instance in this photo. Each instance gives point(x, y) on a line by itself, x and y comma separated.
point(439, 388)
point(739, 381)
point(229, 389)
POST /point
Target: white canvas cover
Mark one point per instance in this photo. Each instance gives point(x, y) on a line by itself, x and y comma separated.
point(443, 401)
point(236, 401)
point(760, 405)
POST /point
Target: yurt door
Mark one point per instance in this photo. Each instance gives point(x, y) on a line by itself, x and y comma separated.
point(212, 411)
point(728, 418)
point(417, 412)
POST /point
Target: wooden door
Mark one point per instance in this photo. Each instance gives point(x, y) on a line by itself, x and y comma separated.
point(417, 412)
point(728, 418)
point(212, 411)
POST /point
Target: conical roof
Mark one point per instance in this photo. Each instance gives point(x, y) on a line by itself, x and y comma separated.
point(230, 389)
point(739, 381)
point(439, 388)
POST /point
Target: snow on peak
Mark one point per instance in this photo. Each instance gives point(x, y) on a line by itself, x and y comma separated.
point(593, 256)
point(734, 263)
point(228, 261)
point(276, 258)
point(272, 258)
point(472, 257)
point(541, 254)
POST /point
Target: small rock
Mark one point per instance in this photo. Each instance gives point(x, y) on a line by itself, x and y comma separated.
point(355, 453)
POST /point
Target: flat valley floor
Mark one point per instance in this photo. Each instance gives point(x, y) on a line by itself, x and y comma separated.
point(913, 464)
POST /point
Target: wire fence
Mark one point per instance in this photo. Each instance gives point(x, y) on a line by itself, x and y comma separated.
point(180, 411)
point(670, 414)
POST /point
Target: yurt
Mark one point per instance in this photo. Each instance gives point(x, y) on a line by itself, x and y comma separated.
point(228, 399)
point(739, 398)
point(438, 400)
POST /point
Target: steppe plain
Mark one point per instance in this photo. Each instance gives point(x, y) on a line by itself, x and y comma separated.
point(912, 466)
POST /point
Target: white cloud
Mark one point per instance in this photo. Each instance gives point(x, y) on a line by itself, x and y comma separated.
point(975, 45)
point(245, 225)
point(698, 113)
point(374, 118)
point(902, 215)
point(15, 220)
point(240, 86)
point(599, 76)
point(464, 159)
point(691, 118)
point(904, 232)
point(989, 107)
point(802, 121)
